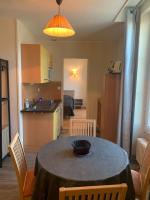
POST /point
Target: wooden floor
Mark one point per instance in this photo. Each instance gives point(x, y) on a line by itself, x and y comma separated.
point(8, 181)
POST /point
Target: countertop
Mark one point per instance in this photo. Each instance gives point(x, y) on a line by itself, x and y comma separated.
point(47, 109)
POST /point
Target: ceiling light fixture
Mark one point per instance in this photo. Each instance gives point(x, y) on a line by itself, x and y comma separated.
point(58, 25)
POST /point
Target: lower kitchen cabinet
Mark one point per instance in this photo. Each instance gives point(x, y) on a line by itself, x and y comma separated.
point(39, 128)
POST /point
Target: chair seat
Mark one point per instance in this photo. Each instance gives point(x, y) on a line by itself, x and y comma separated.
point(29, 183)
point(136, 177)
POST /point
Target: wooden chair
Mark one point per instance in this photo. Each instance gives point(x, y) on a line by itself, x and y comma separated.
point(102, 192)
point(25, 177)
point(84, 127)
point(141, 179)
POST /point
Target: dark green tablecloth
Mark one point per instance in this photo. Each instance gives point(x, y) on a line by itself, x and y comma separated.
point(57, 166)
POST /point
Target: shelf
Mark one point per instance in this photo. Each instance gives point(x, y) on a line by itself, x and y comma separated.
point(5, 132)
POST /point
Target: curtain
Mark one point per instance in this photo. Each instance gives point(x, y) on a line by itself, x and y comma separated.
point(145, 48)
point(129, 78)
point(147, 114)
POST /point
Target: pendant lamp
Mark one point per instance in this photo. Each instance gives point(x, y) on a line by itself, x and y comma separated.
point(58, 25)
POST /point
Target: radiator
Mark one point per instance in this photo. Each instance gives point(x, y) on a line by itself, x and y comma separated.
point(141, 144)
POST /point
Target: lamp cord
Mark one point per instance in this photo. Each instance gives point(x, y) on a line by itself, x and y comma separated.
point(59, 10)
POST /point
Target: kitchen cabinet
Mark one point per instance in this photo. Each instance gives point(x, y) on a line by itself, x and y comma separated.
point(110, 102)
point(39, 128)
point(35, 61)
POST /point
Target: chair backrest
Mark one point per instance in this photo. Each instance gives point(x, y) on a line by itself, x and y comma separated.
point(145, 172)
point(18, 157)
point(85, 127)
point(103, 192)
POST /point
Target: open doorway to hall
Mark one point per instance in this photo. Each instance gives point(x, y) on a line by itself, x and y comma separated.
point(74, 90)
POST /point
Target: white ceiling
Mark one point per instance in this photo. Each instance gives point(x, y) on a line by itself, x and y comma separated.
point(90, 18)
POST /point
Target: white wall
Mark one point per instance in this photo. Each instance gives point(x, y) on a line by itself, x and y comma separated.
point(8, 52)
point(145, 7)
point(93, 51)
point(120, 44)
point(143, 75)
point(26, 37)
point(12, 34)
point(79, 83)
point(99, 55)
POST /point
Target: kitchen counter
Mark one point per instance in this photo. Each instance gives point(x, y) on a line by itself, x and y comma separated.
point(41, 124)
point(47, 109)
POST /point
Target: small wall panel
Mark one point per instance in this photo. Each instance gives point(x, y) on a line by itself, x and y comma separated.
point(4, 114)
point(4, 85)
point(5, 141)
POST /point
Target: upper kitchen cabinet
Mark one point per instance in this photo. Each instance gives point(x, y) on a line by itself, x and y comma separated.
point(35, 62)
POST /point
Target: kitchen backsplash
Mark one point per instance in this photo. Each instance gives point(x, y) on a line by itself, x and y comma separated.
point(51, 90)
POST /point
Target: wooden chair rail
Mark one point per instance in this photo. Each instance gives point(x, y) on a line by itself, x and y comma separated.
point(84, 127)
point(25, 177)
point(102, 192)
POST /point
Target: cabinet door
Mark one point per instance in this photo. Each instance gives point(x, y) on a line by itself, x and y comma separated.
point(110, 107)
point(45, 62)
point(35, 62)
point(30, 58)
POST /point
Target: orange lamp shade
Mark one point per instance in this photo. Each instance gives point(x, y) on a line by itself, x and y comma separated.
point(59, 26)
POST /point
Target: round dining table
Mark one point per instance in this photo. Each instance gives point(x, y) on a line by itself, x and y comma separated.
point(58, 166)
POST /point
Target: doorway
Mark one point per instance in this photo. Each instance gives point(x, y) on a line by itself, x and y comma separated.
point(74, 88)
